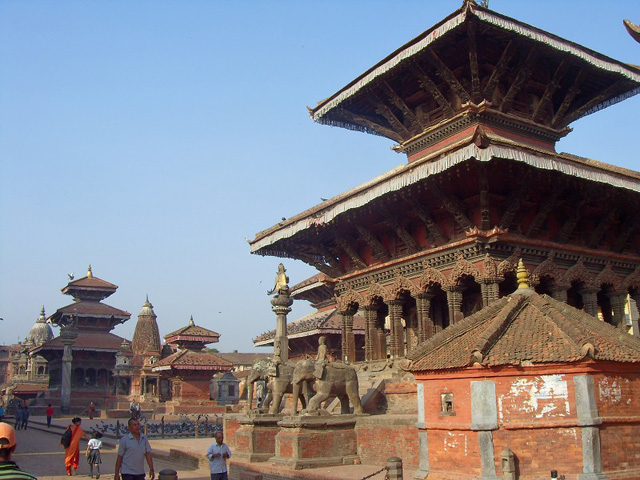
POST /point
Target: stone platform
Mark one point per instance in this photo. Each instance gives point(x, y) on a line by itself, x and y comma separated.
point(316, 441)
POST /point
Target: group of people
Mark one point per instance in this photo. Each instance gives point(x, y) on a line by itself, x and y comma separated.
point(22, 417)
point(133, 450)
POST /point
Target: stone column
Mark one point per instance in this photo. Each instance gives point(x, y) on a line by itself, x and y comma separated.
point(423, 443)
point(484, 419)
point(397, 334)
point(68, 334)
point(588, 419)
point(590, 301)
point(454, 300)
point(281, 307)
point(426, 325)
point(348, 340)
point(370, 315)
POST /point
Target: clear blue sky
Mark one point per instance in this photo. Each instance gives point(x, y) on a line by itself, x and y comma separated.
point(149, 138)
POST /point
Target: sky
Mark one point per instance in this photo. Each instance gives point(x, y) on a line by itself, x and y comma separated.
point(151, 138)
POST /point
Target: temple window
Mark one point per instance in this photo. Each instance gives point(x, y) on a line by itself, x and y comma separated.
point(231, 390)
point(446, 404)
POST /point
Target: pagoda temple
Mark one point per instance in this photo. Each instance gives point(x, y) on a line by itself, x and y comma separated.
point(189, 370)
point(477, 104)
point(86, 326)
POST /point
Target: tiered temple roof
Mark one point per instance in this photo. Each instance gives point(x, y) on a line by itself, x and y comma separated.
point(477, 103)
point(88, 310)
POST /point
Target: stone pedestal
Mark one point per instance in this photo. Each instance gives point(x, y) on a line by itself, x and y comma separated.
point(255, 440)
point(316, 441)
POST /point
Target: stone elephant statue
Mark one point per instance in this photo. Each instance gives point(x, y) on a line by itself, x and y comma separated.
point(337, 379)
point(279, 381)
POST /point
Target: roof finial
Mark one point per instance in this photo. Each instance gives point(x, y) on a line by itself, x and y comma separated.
point(522, 275)
point(89, 272)
point(191, 322)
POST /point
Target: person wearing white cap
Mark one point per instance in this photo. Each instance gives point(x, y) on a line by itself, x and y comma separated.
point(8, 469)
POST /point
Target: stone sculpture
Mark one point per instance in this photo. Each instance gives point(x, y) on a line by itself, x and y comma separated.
point(337, 379)
point(279, 382)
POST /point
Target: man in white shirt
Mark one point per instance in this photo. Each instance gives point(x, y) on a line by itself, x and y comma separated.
point(217, 453)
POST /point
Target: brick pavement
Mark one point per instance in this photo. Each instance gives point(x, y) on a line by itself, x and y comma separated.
point(39, 453)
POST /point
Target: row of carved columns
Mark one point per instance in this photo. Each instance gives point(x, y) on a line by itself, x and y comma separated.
point(375, 336)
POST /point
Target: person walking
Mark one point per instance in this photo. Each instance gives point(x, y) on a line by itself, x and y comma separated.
point(18, 423)
point(133, 449)
point(25, 417)
point(218, 453)
point(91, 409)
point(8, 469)
point(93, 453)
point(49, 413)
point(72, 452)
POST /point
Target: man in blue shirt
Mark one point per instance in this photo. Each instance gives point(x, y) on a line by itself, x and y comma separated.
point(217, 453)
point(133, 448)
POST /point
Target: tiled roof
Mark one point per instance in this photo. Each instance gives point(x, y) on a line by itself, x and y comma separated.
point(314, 323)
point(30, 388)
point(193, 331)
point(92, 308)
point(99, 341)
point(93, 283)
point(191, 360)
point(525, 328)
point(318, 277)
point(243, 358)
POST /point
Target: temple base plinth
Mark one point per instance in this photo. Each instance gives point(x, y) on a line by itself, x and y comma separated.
point(316, 441)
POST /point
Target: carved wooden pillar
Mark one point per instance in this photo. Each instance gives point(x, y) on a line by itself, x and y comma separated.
point(490, 291)
point(590, 301)
point(370, 334)
point(397, 334)
point(618, 303)
point(426, 327)
point(559, 293)
point(454, 300)
point(348, 340)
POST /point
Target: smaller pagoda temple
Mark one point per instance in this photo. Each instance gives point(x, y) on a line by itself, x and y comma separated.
point(86, 348)
point(188, 371)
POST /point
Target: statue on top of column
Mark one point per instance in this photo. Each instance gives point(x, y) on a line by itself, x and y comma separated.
point(281, 283)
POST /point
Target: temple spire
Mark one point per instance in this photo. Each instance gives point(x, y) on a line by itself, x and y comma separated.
point(89, 272)
point(191, 322)
point(522, 275)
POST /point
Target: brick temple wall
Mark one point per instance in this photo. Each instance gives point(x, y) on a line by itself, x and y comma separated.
point(537, 418)
point(383, 436)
